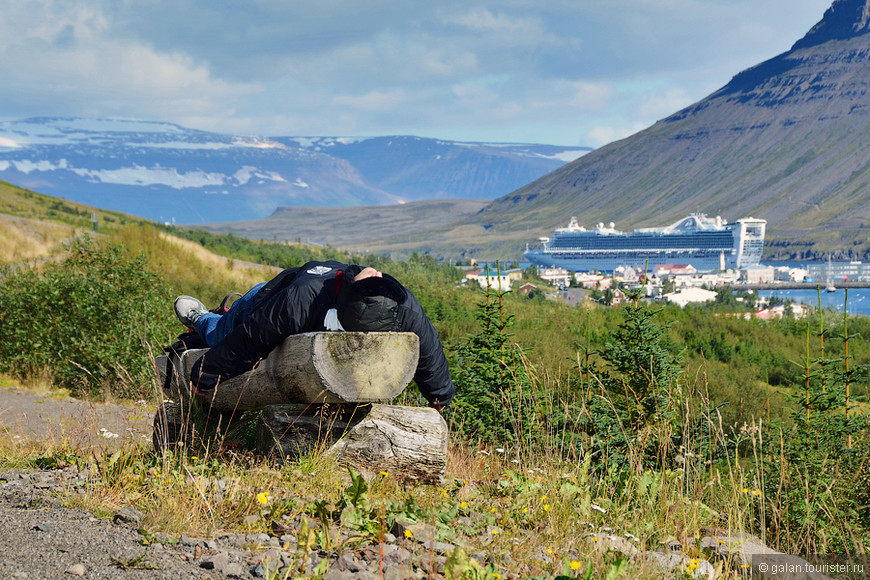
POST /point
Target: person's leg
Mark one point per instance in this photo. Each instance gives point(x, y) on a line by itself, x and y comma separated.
point(213, 328)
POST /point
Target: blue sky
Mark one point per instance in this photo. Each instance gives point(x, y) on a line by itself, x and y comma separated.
point(566, 72)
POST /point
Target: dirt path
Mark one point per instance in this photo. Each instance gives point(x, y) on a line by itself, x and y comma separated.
point(28, 415)
point(41, 539)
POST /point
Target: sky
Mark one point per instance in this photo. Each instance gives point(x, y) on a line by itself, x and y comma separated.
point(561, 72)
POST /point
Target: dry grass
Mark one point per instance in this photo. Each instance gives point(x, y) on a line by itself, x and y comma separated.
point(239, 274)
point(26, 240)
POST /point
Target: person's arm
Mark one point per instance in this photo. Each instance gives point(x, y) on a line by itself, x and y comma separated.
point(433, 373)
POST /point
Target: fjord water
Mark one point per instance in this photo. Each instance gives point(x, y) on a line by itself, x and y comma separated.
point(858, 303)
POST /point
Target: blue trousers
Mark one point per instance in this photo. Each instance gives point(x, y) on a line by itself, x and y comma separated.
point(215, 327)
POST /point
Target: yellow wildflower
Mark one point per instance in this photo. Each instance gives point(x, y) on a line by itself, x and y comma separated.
point(575, 565)
point(408, 533)
point(463, 505)
point(263, 497)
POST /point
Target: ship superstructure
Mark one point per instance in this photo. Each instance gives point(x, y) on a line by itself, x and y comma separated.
point(708, 244)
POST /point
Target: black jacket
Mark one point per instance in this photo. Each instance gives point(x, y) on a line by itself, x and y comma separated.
point(296, 301)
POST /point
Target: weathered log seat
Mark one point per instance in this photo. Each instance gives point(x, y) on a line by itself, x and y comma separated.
point(319, 392)
point(314, 367)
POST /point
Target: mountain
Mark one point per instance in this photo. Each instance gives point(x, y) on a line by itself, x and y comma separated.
point(787, 141)
point(355, 228)
point(166, 172)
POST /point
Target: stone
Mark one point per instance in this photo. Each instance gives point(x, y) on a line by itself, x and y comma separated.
point(218, 562)
point(258, 571)
point(258, 539)
point(420, 531)
point(746, 552)
point(128, 515)
point(184, 540)
point(396, 557)
point(349, 563)
point(235, 570)
point(439, 547)
point(76, 570)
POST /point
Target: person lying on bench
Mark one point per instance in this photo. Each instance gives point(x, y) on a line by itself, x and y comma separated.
point(316, 296)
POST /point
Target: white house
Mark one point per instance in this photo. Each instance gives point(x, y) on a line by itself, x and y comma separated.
point(488, 278)
point(593, 281)
point(555, 276)
point(758, 274)
point(690, 296)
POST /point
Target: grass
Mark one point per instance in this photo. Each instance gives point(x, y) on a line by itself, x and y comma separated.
point(539, 508)
point(536, 514)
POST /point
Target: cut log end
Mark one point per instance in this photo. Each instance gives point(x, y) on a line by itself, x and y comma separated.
point(410, 442)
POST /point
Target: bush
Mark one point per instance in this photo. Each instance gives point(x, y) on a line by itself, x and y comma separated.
point(84, 322)
point(494, 396)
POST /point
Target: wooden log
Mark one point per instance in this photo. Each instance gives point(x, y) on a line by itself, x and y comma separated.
point(315, 367)
point(409, 442)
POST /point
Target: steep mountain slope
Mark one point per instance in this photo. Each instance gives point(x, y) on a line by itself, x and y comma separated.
point(786, 141)
point(428, 169)
point(166, 172)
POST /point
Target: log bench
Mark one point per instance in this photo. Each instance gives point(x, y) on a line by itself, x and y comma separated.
point(324, 392)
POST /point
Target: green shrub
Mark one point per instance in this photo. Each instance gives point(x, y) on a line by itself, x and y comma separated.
point(85, 322)
point(494, 397)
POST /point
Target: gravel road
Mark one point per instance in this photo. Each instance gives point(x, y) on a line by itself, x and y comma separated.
point(41, 539)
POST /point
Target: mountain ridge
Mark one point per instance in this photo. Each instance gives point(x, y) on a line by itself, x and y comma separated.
point(163, 171)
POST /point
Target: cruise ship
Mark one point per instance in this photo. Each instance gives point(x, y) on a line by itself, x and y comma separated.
point(707, 244)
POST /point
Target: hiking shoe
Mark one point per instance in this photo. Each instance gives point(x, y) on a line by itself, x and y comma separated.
point(188, 310)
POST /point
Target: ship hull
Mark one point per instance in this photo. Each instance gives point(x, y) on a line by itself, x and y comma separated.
point(705, 244)
point(608, 262)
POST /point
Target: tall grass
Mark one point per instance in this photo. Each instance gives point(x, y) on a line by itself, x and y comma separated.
point(654, 438)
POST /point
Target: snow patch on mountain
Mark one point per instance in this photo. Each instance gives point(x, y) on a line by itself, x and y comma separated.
point(152, 176)
point(568, 156)
point(139, 175)
point(183, 145)
point(246, 173)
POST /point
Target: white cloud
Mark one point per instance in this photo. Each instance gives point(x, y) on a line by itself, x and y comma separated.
point(372, 101)
point(474, 69)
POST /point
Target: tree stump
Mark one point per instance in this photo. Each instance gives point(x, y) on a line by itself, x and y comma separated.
point(314, 367)
point(410, 442)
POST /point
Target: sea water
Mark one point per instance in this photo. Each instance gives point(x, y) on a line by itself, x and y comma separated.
point(858, 302)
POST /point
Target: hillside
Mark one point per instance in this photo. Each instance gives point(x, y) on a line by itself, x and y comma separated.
point(652, 424)
point(785, 141)
point(353, 228)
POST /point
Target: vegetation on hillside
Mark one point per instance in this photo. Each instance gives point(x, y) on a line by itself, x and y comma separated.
point(656, 422)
